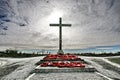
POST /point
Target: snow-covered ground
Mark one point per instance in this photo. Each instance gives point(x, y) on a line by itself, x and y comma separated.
point(114, 64)
point(21, 72)
point(25, 65)
point(103, 70)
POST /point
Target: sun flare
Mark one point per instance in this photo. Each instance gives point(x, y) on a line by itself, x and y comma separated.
point(54, 16)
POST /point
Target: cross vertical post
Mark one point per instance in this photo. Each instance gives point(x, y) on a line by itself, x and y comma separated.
point(60, 36)
point(60, 51)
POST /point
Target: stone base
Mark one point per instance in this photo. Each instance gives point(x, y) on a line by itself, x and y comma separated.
point(60, 52)
point(62, 70)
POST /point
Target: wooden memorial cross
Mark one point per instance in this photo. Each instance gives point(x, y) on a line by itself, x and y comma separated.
point(60, 51)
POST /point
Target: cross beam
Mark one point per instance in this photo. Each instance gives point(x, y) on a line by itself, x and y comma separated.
point(60, 51)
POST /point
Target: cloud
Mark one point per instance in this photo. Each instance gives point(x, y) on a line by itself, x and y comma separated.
point(94, 22)
point(104, 48)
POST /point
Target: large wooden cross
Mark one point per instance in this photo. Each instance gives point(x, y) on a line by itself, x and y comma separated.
point(60, 51)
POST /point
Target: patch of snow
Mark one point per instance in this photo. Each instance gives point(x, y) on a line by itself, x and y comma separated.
point(2, 63)
point(112, 63)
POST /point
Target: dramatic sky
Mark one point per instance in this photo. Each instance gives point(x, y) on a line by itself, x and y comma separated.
point(25, 23)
